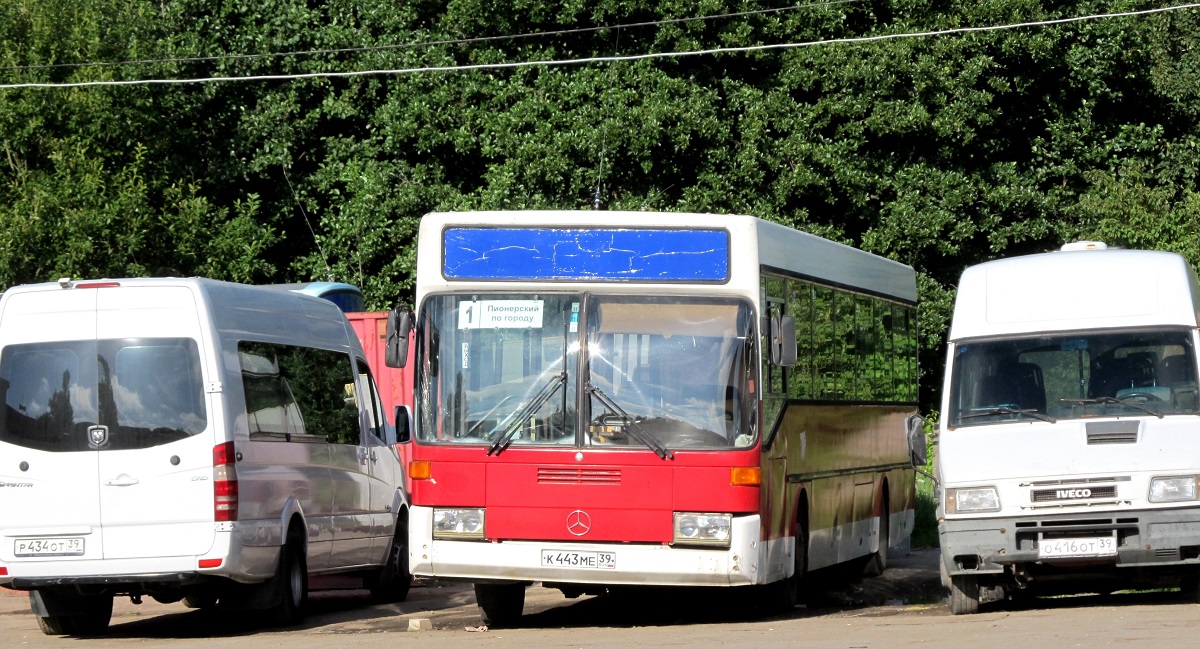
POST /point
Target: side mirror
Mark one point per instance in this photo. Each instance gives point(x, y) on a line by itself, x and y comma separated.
point(399, 326)
point(918, 450)
point(783, 340)
point(403, 425)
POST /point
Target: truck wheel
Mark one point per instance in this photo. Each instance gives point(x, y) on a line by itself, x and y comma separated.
point(90, 614)
point(392, 582)
point(964, 594)
point(500, 604)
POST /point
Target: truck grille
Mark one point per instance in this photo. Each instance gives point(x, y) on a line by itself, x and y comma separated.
point(1073, 493)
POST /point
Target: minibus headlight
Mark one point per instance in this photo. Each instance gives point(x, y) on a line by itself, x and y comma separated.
point(1173, 489)
point(458, 523)
point(972, 500)
point(703, 529)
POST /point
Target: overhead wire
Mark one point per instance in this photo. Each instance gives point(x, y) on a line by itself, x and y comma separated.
point(599, 59)
point(421, 44)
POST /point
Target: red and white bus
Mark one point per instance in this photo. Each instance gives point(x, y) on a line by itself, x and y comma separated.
point(638, 398)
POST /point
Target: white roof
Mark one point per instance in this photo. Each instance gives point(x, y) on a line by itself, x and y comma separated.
point(1071, 290)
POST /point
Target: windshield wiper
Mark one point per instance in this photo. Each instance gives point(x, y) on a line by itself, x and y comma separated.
point(1115, 400)
point(515, 420)
point(1005, 410)
point(632, 427)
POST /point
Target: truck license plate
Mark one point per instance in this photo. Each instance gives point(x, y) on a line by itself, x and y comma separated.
point(1100, 546)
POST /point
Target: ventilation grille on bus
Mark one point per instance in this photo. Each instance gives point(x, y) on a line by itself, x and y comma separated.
point(1112, 432)
point(572, 475)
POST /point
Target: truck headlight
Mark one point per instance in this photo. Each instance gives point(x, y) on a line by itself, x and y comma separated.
point(972, 500)
point(458, 523)
point(703, 529)
point(1173, 489)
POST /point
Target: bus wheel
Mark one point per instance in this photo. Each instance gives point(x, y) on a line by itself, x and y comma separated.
point(89, 614)
point(877, 562)
point(964, 594)
point(783, 596)
point(500, 604)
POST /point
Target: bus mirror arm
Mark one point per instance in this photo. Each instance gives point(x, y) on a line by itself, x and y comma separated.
point(399, 326)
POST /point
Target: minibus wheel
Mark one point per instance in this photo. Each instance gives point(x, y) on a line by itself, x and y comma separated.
point(392, 582)
point(90, 614)
point(293, 583)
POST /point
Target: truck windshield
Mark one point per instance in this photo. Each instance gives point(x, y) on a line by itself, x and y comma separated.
point(657, 373)
point(1073, 376)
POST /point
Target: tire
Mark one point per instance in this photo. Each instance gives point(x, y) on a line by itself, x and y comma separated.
point(393, 581)
point(500, 604)
point(964, 594)
point(1189, 586)
point(293, 584)
point(91, 617)
point(783, 596)
point(877, 562)
point(201, 599)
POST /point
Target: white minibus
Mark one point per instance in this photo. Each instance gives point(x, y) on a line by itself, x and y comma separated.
point(1067, 457)
point(189, 440)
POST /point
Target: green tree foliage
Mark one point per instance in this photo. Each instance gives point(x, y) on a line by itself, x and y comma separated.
point(938, 151)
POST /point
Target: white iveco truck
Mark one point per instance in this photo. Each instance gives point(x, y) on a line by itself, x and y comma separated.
point(1069, 443)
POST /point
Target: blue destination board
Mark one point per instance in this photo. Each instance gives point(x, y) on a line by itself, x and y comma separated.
point(629, 254)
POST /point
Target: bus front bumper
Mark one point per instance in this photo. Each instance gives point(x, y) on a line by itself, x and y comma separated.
point(594, 563)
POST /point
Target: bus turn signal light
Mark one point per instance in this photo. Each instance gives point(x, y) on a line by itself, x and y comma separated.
point(420, 470)
point(745, 476)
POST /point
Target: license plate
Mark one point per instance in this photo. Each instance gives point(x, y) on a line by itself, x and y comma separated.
point(1100, 546)
point(589, 560)
point(70, 546)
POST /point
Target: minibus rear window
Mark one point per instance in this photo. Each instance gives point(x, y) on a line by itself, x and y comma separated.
point(101, 395)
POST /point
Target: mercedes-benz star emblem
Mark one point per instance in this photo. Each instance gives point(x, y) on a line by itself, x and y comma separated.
point(579, 523)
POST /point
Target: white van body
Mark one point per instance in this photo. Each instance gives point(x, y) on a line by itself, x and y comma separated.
point(1067, 454)
point(189, 439)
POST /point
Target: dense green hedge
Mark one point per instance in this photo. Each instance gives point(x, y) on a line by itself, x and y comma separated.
point(938, 151)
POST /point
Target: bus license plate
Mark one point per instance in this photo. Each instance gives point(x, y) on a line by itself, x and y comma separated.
point(591, 560)
point(1102, 546)
point(71, 546)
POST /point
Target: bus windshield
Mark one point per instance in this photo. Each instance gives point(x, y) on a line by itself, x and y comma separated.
point(1072, 376)
point(584, 370)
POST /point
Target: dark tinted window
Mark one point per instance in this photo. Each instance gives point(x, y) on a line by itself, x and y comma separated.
point(299, 391)
point(145, 392)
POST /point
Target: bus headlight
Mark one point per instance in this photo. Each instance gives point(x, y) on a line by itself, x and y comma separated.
point(703, 529)
point(972, 500)
point(1173, 489)
point(458, 523)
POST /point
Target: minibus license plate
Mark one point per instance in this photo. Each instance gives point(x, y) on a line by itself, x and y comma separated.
point(71, 546)
point(1101, 546)
point(596, 560)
